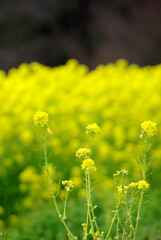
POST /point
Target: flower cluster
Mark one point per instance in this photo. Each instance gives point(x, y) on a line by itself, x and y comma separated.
point(68, 184)
point(133, 184)
point(149, 127)
point(41, 118)
point(143, 184)
point(93, 129)
point(88, 164)
point(119, 188)
point(82, 152)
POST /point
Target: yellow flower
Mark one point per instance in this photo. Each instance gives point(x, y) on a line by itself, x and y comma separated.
point(93, 129)
point(150, 128)
point(143, 184)
point(84, 225)
point(119, 189)
point(133, 185)
point(68, 184)
point(126, 188)
point(88, 164)
point(41, 118)
point(82, 152)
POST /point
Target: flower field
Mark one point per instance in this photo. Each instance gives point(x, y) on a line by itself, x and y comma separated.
point(118, 97)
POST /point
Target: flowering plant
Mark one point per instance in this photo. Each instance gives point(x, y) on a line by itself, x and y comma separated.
point(125, 194)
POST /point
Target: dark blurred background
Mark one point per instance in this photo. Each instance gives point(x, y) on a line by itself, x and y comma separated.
point(92, 31)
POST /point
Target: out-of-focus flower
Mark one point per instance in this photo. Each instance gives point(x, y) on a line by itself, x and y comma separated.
point(82, 152)
point(143, 184)
point(149, 127)
point(133, 185)
point(41, 118)
point(119, 189)
point(68, 184)
point(126, 188)
point(88, 164)
point(93, 129)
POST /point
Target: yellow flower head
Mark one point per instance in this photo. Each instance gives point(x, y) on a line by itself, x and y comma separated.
point(143, 184)
point(150, 128)
point(126, 188)
point(68, 184)
point(41, 118)
point(93, 129)
point(84, 225)
point(119, 189)
point(82, 152)
point(88, 164)
point(133, 185)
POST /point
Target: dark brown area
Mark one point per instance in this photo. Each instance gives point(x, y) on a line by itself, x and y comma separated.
point(92, 31)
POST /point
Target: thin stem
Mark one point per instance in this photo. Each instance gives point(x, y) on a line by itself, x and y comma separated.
point(128, 219)
point(91, 144)
point(51, 188)
point(90, 199)
point(145, 157)
point(117, 216)
point(87, 209)
point(111, 225)
point(138, 214)
point(65, 205)
point(113, 219)
point(117, 209)
point(89, 182)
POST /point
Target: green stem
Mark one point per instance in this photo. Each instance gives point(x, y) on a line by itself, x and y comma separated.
point(51, 188)
point(145, 157)
point(91, 145)
point(138, 214)
point(117, 210)
point(128, 219)
point(65, 205)
point(117, 216)
point(85, 232)
point(142, 192)
point(113, 219)
point(111, 225)
point(90, 199)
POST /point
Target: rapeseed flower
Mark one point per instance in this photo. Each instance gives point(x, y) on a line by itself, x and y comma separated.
point(93, 129)
point(149, 127)
point(82, 152)
point(88, 164)
point(126, 188)
point(143, 184)
point(68, 184)
point(41, 118)
point(119, 189)
point(133, 185)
